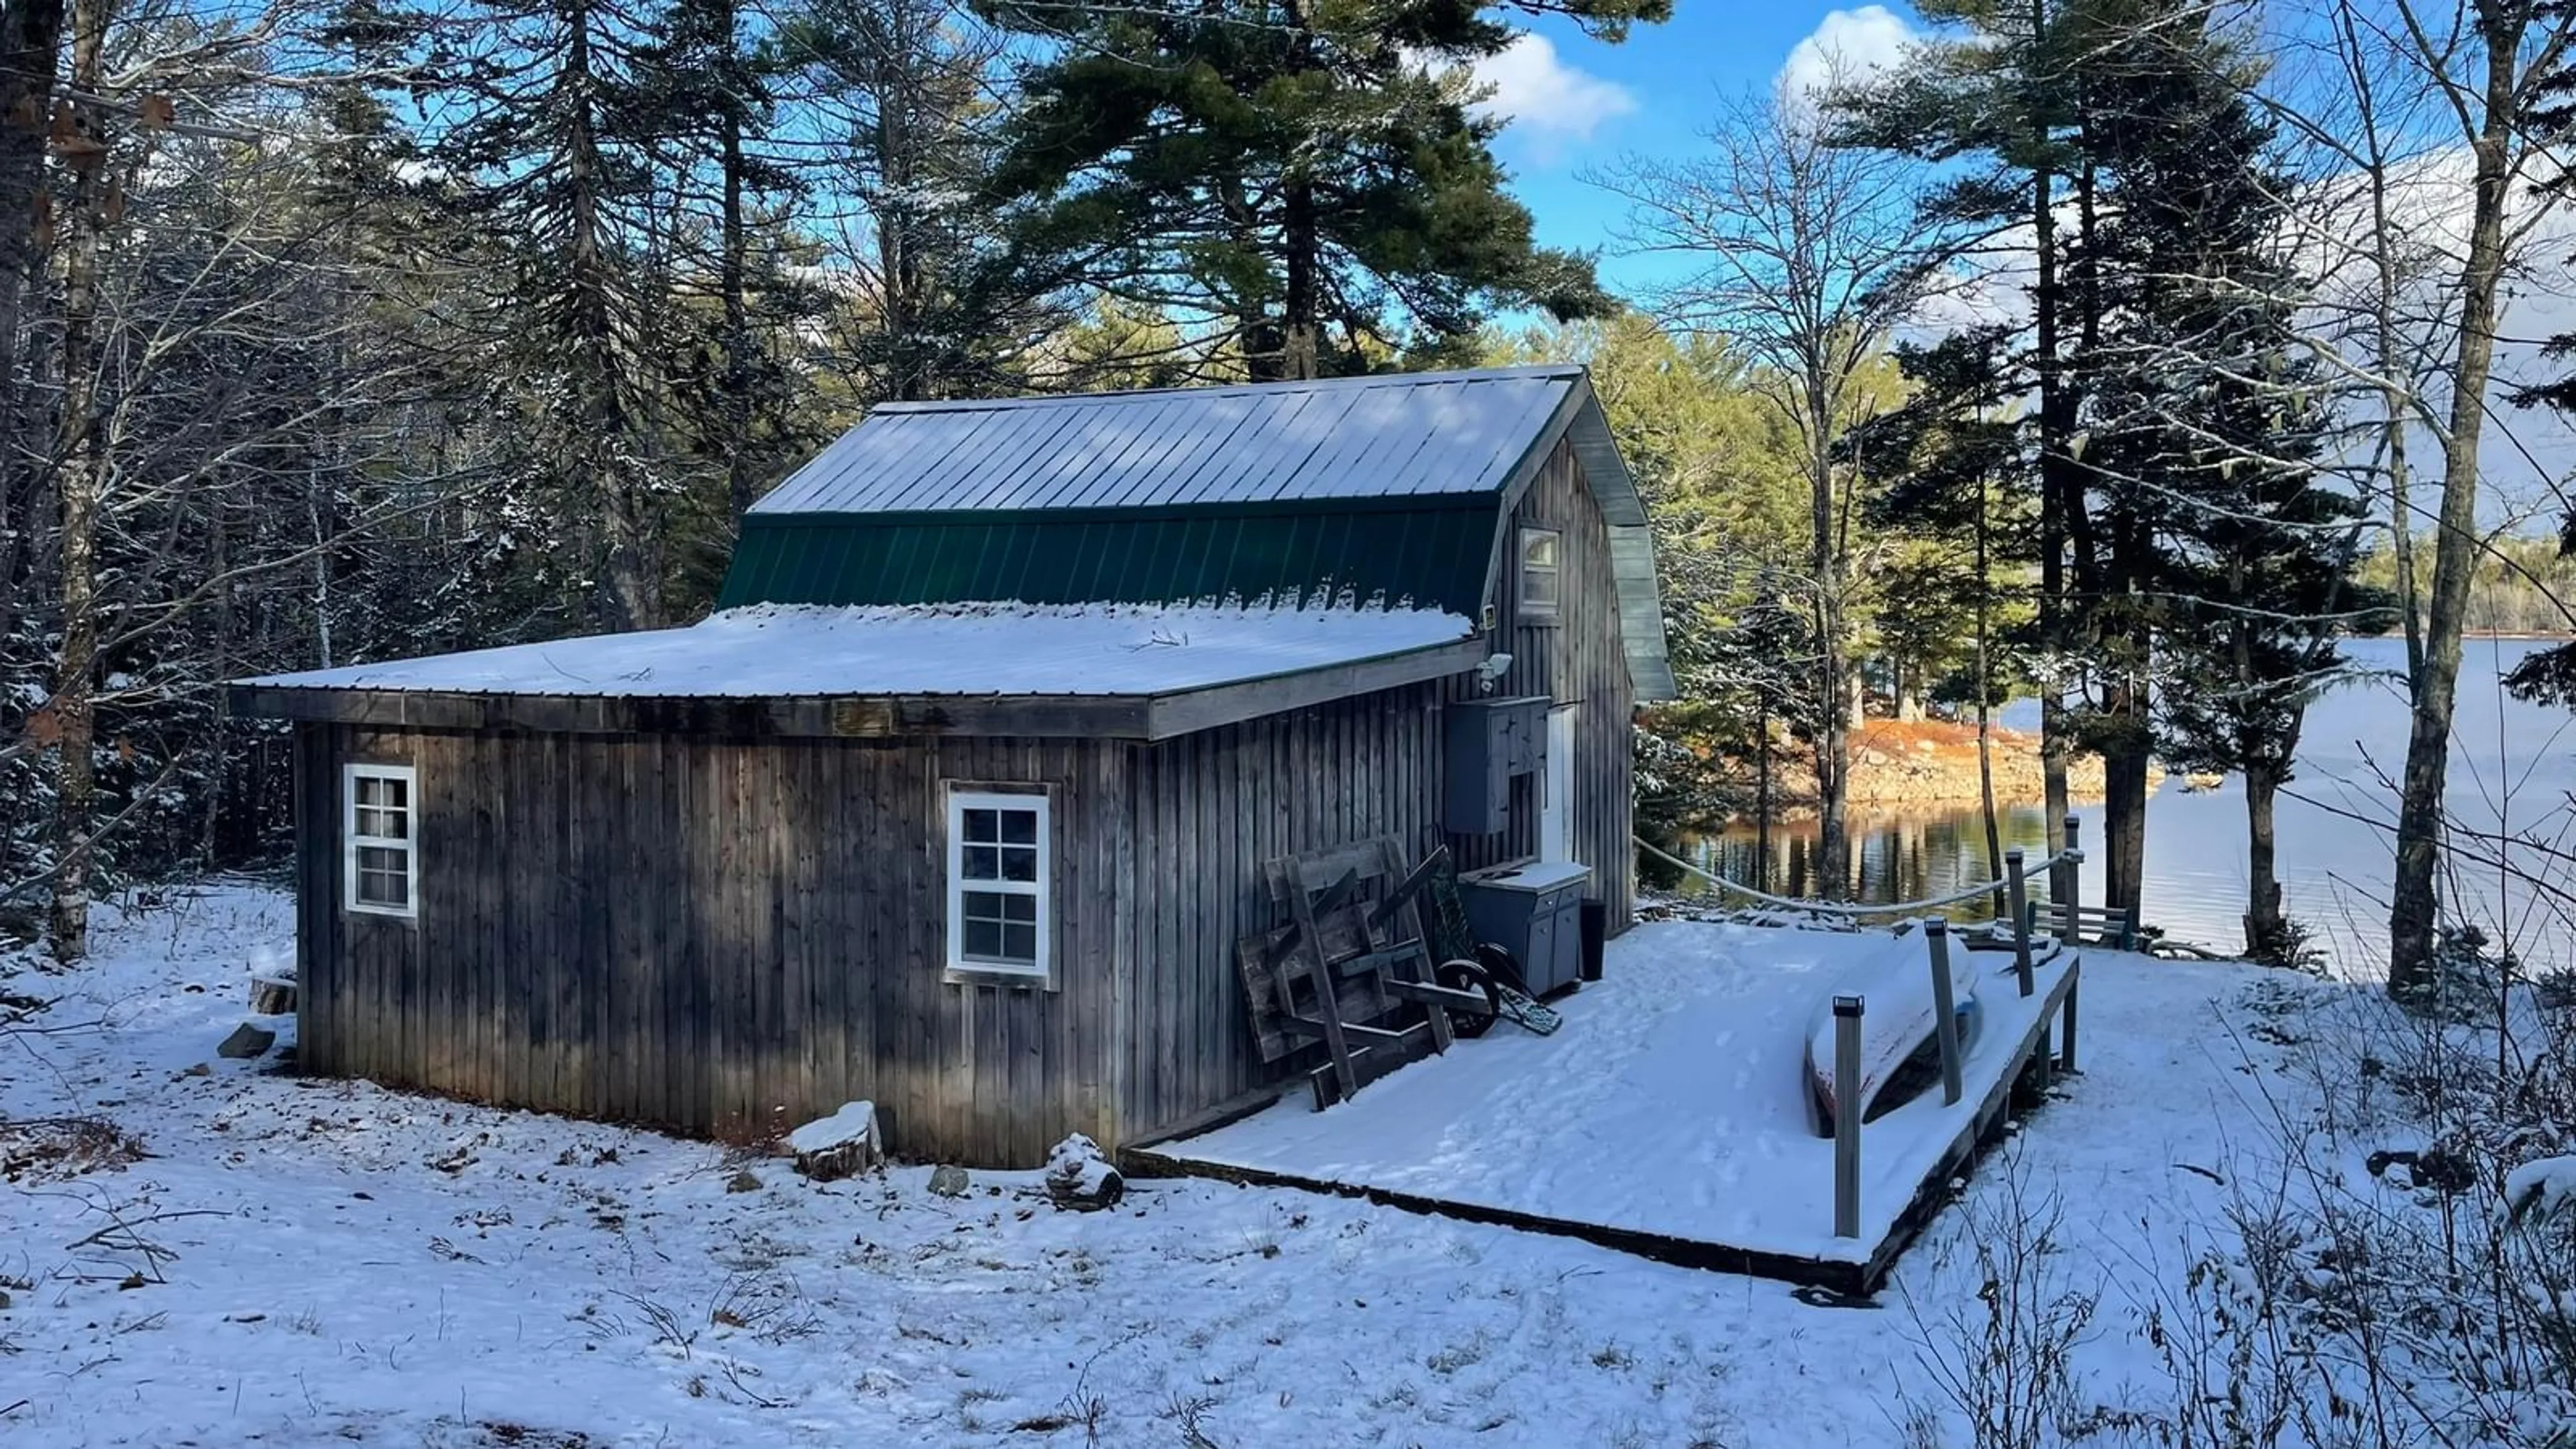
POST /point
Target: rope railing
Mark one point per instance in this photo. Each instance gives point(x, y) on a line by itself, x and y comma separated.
point(1832, 908)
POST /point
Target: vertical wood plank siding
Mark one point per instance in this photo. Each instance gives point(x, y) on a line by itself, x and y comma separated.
point(1578, 660)
point(725, 938)
point(1208, 809)
point(728, 937)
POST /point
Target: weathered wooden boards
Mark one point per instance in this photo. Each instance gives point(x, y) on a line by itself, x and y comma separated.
point(727, 936)
point(1207, 812)
point(1862, 1274)
point(721, 937)
point(726, 932)
point(1575, 659)
point(1352, 956)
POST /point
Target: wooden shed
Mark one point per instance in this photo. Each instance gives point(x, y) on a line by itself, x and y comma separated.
point(960, 799)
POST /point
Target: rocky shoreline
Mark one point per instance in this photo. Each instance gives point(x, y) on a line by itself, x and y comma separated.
point(1902, 765)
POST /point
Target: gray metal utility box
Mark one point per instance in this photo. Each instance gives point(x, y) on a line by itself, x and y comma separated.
point(1490, 741)
point(1533, 911)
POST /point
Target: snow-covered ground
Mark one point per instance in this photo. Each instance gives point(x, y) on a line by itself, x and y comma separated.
point(296, 1262)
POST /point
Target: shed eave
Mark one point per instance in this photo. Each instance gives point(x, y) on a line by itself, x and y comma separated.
point(1189, 711)
point(864, 716)
point(1632, 547)
point(1112, 716)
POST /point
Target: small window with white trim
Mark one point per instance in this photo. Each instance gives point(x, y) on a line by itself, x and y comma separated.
point(997, 882)
point(379, 828)
point(1541, 573)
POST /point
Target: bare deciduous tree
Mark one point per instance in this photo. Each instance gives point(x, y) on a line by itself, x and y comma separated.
point(2428, 120)
point(1806, 256)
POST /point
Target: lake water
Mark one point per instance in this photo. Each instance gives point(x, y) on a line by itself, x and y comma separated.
point(2513, 771)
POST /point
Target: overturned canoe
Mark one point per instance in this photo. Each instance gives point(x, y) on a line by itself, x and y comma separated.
point(1899, 1044)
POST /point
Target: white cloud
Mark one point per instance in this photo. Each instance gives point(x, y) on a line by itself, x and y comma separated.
point(1847, 44)
point(1548, 102)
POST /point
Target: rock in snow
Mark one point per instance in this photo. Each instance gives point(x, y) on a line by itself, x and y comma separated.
point(838, 1145)
point(246, 1041)
point(1079, 1176)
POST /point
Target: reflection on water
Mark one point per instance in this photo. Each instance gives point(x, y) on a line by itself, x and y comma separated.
point(2513, 772)
point(1895, 857)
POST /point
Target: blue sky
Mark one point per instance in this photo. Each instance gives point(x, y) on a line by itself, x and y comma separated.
point(1576, 102)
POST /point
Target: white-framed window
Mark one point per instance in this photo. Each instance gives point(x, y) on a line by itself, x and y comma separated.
point(379, 831)
point(998, 881)
point(1542, 572)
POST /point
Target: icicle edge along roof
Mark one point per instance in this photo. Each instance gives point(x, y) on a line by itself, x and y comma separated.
point(1392, 487)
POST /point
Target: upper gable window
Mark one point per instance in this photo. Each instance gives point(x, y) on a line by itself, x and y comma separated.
point(1542, 572)
point(998, 872)
point(380, 865)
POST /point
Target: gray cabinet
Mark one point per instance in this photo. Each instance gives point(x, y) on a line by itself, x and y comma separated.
point(1489, 741)
point(1534, 911)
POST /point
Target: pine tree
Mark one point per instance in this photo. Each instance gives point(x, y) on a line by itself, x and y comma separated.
point(936, 306)
point(553, 147)
point(1994, 99)
point(717, 81)
point(1291, 172)
point(2227, 548)
point(1940, 459)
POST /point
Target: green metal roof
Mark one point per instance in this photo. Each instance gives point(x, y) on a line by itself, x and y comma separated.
point(1395, 435)
point(1391, 488)
point(1430, 550)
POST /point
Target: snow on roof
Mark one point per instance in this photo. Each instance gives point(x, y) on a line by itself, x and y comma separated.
point(773, 651)
point(1406, 434)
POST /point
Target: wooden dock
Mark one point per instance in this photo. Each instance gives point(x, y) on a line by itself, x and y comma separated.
point(2042, 1044)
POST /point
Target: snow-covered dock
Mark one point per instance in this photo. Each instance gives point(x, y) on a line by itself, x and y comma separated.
point(1668, 1117)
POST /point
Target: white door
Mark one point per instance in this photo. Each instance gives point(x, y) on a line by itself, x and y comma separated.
point(1556, 807)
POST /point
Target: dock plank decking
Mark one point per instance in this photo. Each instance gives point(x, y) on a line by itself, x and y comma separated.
point(1667, 1119)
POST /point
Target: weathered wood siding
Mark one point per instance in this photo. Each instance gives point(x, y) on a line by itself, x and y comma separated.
point(1580, 660)
point(726, 938)
point(1207, 809)
point(729, 936)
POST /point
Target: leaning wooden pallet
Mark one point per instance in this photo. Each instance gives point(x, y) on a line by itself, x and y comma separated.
point(1346, 965)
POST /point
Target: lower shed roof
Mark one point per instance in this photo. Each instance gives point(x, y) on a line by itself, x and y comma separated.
point(1105, 670)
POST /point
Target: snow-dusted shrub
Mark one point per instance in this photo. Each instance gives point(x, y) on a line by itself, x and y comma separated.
point(2002, 1363)
point(2395, 1269)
